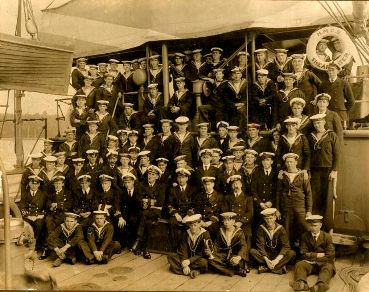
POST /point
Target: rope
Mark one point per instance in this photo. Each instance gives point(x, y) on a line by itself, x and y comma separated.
point(6, 111)
point(31, 25)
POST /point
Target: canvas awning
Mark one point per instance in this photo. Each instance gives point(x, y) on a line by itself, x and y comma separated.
point(97, 27)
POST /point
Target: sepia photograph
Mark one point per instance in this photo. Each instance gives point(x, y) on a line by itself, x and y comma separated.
point(184, 145)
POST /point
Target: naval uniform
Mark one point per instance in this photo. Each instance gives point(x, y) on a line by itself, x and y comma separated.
point(88, 141)
point(185, 102)
point(78, 78)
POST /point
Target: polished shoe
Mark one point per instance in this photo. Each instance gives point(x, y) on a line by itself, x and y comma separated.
point(104, 259)
point(194, 274)
point(57, 262)
point(73, 260)
point(135, 246)
point(262, 269)
point(247, 269)
point(299, 286)
point(146, 255)
point(242, 273)
point(90, 261)
point(45, 254)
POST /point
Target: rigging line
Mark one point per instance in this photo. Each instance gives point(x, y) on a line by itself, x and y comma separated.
point(51, 3)
point(336, 19)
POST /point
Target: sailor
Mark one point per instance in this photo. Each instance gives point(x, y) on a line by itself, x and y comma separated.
point(156, 72)
point(133, 153)
point(272, 249)
point(341, 92)
point(92, 70)
point(92, 165)
point(193, 252)
point(79, 73)
point(150, 141)
point(168, 143)
point(48, 147)
point(135, 64)
point(230, 248)
point(166, 176)
point(88, 90)
point(66, 240)
point(71, 179)
point(153, 107)
point(216, 155)
point(129, 119)
point(181, 102)
point(48, 173)
point(280, 65)
point(222, 137)
point(297, 105)
point(325, 158)
point(79, 114)
point(117, 76)
point(123, 137)
point(179, 69)
point(144, 163)
point(294, 197)
point(317, 256)
point(92, 139)
point(185, 140)
point(109, 92)
point(143, 63)
point(248, 169)
point(128, 85)
point(70, 145)
point(100, 239)
point(132, 142)
point(198, 68)
point(103, 70)
point(321, 50)
point(217, 58)
point(34, 168)
point(261, 59)
point(255, 141)
point(239, 153)
point(243, 65)
point(125, 167)
point(337, 49)
point(204, 140)
point(263, 92)
point(225, 172)
point(205, 168)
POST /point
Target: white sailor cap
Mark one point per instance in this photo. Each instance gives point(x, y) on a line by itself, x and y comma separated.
point(233, 128)
point(318, 117)
point(133, 132)
point(205, 151)
point(154, 57)
point(103, 101)
point(61, 153)
point(289, 74)
point(92, 66)
point(151, 126)
point(50, 158)
point(216, 70)
point(152, 85)
point(71, 215)
point(81, 60)
point(37, 155)
point(323, 96)
point(202, 125)
point(123, 131)
point(102, 64)
point(196, 51)
point(217, 150)
point(323, 41)
point(154, 168)
point(236, 70)
point(243, 53)
point(265, 154)
point(205, 179)
point(298, 100)
point(292, 121)
point(35, 178)
point(179, 158)
point(112, 152)
point(144, 153)
point(183, 171)
point(233, 178)
point(298, 56)
point(102, 209)
point(251, 151)
point(161, 159)
point(177, 54)
point(163, 121)
point(134, 61)
point(92, 151)
point(180, 79)
point(129, 175)
point(192, 219)
point(253, 126)
point(182, 120)
point(262, 72)
point(142, 59)
point(84, 177)
point(125, 155)
point(126, 62)
point(238, 148)
point(114, 61)
point(216, 49)
point(314, 218)
point(228, 215)
point(104, 177)
point(222, 124)
point(228, 157)
point(260, 51)
point(58, 178)
point(134, 148)
point(78, 160)
point(268, 212)
point(290, 155)
point(284, 51)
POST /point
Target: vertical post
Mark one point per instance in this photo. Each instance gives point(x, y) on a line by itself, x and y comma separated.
point(45, 126)
point(164, 52)
point(253, 56)
point(247, 78)
point(148, 53)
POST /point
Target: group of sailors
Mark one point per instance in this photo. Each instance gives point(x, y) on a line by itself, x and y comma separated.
point(241, 191)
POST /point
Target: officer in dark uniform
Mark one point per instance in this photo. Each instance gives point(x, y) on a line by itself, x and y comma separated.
point(150, 141)
point(205, 168)
point(34, 168)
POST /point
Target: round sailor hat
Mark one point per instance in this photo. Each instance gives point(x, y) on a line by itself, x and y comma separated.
point(228, 157)
point(59, 178)
point(217, 150)
point(216, 70)
point(126, 62)
point(154, 57)
point(103, 101)
point(233, 128)
point(182, 120)
point(281, 51)
point(222, 124)
point(47, 140)
point(152, 85)
point(243, 53)
point(142, 59)
point(289, 74)
point(123, 131)
point(78, 160)
point(112, 153)
point(144, 153)
point(37, 155)
point(102, 210)
point(228, 215)
point(187, 52)
point(134, 149)
point(192, 219)
point(150, 126)
point(92, 151)
point(260, 51)
point(161, 159)
point(252, 152)
point(113, 61)
point(179, 158)
point(92, 66)
point(128, 104)
point(290, 155)
point(202, 125)
point(238, 148)
point(323, 96)
point(164, 121)
point(50, 158)
point(216, 49)
point(129, 175)
point(233, 178)
point(268, 212)
point(35, 178)
point(177, 54)
point(70, 130)
point(81, 96)
point(183, 171)
point(298, 56)
point(298, 100)
point(205, 179)
point(133, 133)
point(84, 177)
point(81, 60)
point(180, 79)
point(61, 153)
point(314, 218)
point(134, 61)
point(236, 70)
point(92, 121)
point(325, 41)
point(205, 151)
point(253, 126)
point(318, 117)
point(104, 177)
point(102, 64)
point(264, 155)
point(196, 51)
point(292, 121)
point(155, 169)
point(262, 72)
point(71, 215)
point(125, 155)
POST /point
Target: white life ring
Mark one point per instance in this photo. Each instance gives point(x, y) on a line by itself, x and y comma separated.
point(329, 31)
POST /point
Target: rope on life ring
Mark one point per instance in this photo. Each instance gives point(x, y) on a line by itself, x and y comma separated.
point(329, 31)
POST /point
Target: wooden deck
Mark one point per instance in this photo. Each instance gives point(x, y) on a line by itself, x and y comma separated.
point(128, 272)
